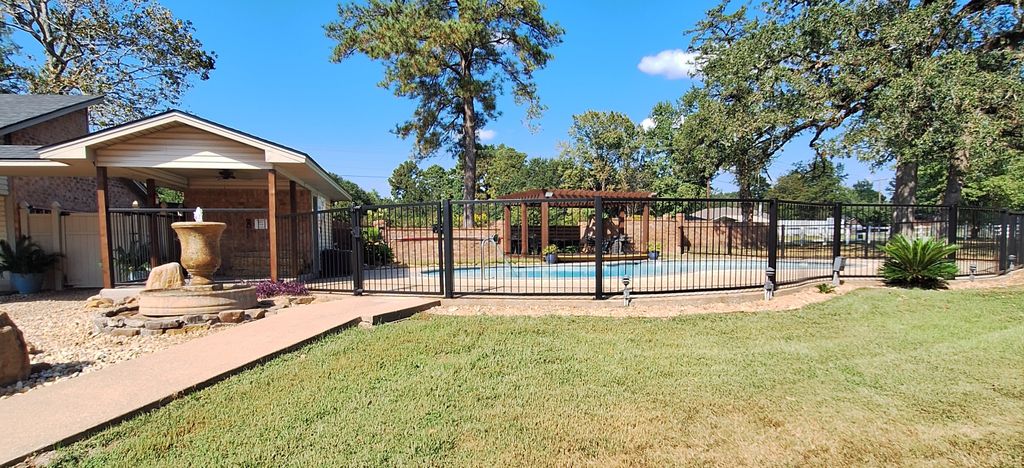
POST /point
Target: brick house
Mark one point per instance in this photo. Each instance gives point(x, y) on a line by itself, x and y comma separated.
point(48, 155)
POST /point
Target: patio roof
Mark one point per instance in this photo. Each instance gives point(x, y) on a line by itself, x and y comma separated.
point(178, 150)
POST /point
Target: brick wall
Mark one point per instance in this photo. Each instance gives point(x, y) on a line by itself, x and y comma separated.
point(245, 249)
point(73, 193)
point(56, 130)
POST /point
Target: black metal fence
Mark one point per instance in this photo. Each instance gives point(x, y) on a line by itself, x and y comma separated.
point(583, 247)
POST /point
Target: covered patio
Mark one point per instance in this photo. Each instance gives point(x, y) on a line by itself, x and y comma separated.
point(214, 166)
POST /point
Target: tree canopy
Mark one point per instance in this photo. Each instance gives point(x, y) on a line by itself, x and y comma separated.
point(892, 82)
point(454, 59)
point(136, 52)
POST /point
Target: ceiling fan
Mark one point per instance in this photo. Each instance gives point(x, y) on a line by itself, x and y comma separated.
point(226, 174)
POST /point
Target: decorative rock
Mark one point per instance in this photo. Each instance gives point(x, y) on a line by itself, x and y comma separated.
point(97, 302)
point(148, 332)
point(124, 331)
point(193, 319)
point(162, 324)
point(302, 300)
point(167, 276)
point(14, 361)
point(115, 322)
point(196, 327)
point(135, 322)
point(255, 314)
point(231, 316)
point(211, 316)
point(281, 301)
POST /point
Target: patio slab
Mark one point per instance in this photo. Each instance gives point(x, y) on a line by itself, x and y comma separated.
point(67, 411)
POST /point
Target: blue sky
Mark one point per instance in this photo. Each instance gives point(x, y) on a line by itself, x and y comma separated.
point(274, 79)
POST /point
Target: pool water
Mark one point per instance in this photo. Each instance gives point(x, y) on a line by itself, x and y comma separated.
point(635, 269)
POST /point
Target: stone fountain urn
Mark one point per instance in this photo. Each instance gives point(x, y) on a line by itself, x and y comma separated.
point(200, 255)
point(200, 249)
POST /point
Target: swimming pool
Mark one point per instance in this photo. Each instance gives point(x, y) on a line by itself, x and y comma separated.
point(633, 269)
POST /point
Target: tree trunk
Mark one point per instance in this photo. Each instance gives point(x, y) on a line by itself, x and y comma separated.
point(468, 160)
point(955, 179)
point(904, 193)
point(743, 181)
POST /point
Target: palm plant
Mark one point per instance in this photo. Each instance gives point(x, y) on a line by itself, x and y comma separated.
point(921, 262)
point(25, 257)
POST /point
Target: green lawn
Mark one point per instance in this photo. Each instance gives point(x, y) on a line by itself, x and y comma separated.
point(875, 377)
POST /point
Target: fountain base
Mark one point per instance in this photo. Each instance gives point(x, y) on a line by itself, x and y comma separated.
point(196, 299)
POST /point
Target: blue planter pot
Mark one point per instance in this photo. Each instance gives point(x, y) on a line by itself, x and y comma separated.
point(653, 255)
point(551, 258)
point(27, 283)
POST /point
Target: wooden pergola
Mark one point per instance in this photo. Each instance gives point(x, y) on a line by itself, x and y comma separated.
point(572, 199)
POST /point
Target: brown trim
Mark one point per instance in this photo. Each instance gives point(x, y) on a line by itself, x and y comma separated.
point(524, 230)
point(103, 214)
point(544, 226)
point(506, 229)
point(272, 220)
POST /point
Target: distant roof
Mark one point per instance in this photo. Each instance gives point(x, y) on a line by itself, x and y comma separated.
point(571, 193)
point(18, 152)
point(18, 111)
point(728, 212)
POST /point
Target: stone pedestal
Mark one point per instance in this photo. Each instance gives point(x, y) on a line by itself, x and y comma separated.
point(201, 299)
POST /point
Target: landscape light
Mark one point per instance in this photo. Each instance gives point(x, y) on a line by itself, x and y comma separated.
point(625, 291)
point(769, 283)
point(974, 270)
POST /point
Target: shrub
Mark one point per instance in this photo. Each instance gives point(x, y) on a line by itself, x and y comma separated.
point(25, 257)
point(654, 246)
point(551, 249)
point(266, 289)
point(921, 262)
point(376, 251)
point(826, 288)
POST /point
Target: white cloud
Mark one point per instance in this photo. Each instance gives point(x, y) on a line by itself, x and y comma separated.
point(647, 124)
point(674, 64)
point(486, 135)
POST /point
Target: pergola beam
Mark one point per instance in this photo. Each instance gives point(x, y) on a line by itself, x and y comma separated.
point(272, 221)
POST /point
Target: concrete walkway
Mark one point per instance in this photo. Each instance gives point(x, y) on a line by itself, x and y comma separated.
point(72, 409)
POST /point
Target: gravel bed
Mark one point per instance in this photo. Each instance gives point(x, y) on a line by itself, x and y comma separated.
point(60, 333)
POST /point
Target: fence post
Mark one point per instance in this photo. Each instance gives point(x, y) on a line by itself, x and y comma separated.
point(356, 214)
point(953, 220)
point(1004, 227)
point(837, 231)
point(57, 246)
point(773, 248)
point(1012, 254)
point(448, 264)
point(598, 248)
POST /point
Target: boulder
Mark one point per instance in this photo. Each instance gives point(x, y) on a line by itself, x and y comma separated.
point(98, 302)
point(303, 300)
point(232, 316)
point(166, 276)
point(14, 362)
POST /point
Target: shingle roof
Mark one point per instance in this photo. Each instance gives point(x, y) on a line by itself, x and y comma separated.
point(16, 109)
point(18, 152)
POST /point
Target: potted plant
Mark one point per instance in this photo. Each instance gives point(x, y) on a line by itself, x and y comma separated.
point(653, 250)
point(551, 254)
point(27, 263)
point(134, 260)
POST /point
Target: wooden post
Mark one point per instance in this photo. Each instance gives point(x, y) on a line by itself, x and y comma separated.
point(524, 230)
point(154, 234)
point(293, 207)
point(56, 247)
point(272, 220)
point(24, 229)
point(545, 236)
point(103, 213)
point(506, 230)
point(645, 229)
